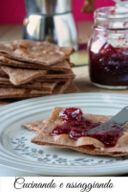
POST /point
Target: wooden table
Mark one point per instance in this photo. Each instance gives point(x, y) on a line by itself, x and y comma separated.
point(81, 72)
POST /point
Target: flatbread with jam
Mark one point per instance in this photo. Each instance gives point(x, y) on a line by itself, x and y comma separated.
point(70, 128)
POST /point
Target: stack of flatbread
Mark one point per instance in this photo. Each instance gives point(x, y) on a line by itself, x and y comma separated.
point(30, 69)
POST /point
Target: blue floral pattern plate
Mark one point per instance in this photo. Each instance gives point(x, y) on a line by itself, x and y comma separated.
point(17, 151)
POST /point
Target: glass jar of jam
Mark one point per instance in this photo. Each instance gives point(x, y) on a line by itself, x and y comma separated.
point(108, 48)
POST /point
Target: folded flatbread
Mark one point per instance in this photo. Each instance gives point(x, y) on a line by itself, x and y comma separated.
point(88, 145)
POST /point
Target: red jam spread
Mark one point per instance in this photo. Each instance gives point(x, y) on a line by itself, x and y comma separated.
point(109, 66)
point(76, 126)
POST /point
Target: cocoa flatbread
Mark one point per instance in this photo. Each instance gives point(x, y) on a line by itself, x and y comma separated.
point(88, 145)
point(22, 76)
point(21, 92)
point(71, 88)
point(61, 87)
point(43, 53)
point(4, 81)
point(42, 83)
point(35, 126)
point(2, 73)
point(14, 93)
point(63, 66)
point(49, 86)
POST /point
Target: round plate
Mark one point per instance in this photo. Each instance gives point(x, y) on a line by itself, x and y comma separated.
point(17, 151)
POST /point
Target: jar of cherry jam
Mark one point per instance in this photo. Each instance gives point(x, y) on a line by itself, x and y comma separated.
point(108, 48)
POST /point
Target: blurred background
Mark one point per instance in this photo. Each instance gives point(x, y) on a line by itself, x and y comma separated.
point(13, 12)
point(12, 15)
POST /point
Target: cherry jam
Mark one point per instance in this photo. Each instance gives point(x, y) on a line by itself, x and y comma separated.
point(108, 48)
point(76, 126)
point(109, 66)
point(107, 134)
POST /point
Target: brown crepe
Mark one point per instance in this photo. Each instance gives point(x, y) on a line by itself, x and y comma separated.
point(85, 144)
point(43, 53)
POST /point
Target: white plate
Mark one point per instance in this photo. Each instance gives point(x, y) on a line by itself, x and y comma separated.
point(16, 150)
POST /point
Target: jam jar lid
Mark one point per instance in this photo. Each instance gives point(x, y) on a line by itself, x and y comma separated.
point(111, 17)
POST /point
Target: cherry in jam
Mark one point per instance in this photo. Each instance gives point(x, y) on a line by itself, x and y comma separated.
point(76, 126)
point(71, 114)
point(109, 66)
